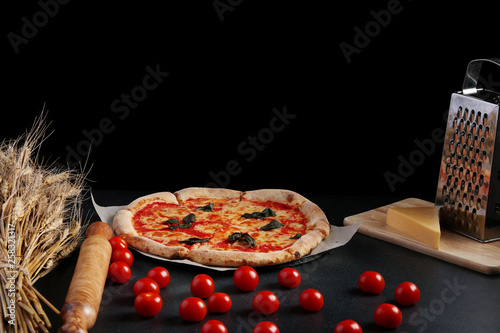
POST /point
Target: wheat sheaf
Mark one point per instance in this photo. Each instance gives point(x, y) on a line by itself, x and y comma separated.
point(41, 222)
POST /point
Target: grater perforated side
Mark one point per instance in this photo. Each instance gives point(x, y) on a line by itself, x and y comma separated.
point(469, 179)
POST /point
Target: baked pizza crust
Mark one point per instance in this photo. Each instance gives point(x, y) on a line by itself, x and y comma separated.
point(282, 196)
point(122, 225)
point(139, 203)
point(238, 258)
point(316, 218)
point(206, 192)
point(317, 228)
point(305, 244)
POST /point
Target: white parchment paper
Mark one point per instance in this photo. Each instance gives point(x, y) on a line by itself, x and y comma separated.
point(339, 236)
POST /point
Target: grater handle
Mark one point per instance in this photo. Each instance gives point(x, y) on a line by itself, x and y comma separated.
point(472, 74)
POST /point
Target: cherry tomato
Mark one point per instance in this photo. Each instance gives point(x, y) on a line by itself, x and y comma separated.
point(311, 300)
point(348, 326)
point(219, 303)
point(145, 285)
point(289, 277)
point(388, 316)
point(122, 255)
point(193, 309)
point(266, 327)
point(160, 275)
point(202, 286)
point(213, 326)
point(148, 304)
point(407, 293)
point(371, 282)
point(118, 242)
point(265, 302)
point(119, 272)
point(245, 278)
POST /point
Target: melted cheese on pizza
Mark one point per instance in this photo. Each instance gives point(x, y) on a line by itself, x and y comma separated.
point(222, 224)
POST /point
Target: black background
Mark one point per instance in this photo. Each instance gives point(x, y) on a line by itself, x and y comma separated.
point(229, 68)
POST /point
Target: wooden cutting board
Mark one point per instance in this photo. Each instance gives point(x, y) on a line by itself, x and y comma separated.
point(454, 247)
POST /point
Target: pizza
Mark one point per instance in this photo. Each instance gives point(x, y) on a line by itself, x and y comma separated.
point(223, 227)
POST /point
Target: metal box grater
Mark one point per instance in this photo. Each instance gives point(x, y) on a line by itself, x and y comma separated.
point(468, 191)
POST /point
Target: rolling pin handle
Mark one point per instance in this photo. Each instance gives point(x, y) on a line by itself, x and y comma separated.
point(99, 229)
point(81, 305)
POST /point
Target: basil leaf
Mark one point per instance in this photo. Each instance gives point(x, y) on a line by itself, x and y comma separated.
point(249, 239)
point(234, 237)
point(207, 208)
point(267, 212)
point(187, 221)
point(250, 216)
point(238, 236)
point(194, 240)
point(297, 236)
point(171, 221)
point(189, 218)
point(274, 224)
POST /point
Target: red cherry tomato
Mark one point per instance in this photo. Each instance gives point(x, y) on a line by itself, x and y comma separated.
point(265, 302)
point(245, 278)
point(371, 282)
point(311, 300)
point(213, 326)
point(202, 286)
point(148, 304)
point(388, 316)
point(160, 275)
point(193, 309)
point(119, 272)
point(289, 277)
point(348, 326)
point(407, 293)
point(118, 242)
point(145, 285)
point(219, 303)
point(122, 255)
point(266, 327)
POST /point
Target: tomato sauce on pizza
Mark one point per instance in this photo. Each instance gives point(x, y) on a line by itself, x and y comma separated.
point(224, 227)
point(212, 222)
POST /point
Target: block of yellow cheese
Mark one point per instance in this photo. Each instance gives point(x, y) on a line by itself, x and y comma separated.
point(420, 223)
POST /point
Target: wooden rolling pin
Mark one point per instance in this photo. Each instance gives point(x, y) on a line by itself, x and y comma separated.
point(81, 305)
